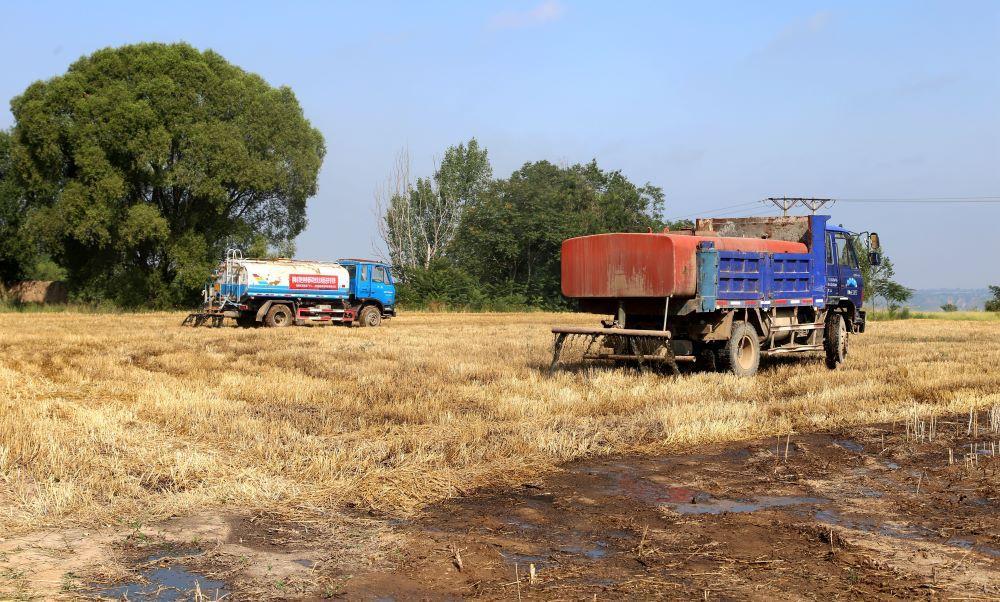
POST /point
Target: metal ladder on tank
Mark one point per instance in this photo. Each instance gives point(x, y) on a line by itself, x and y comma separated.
point(231, 271)
point(211, 314)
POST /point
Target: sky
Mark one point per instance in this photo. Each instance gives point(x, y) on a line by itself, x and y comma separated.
point(718, 103)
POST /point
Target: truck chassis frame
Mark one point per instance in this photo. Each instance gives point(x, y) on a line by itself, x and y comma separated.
point(665, 348)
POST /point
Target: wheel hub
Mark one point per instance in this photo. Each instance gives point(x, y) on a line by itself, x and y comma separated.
point(744, 353)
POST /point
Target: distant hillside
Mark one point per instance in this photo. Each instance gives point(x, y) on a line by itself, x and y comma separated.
point(931, 299)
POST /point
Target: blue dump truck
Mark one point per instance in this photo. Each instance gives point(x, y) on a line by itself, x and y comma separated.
point(720, 295)
point(282, 292)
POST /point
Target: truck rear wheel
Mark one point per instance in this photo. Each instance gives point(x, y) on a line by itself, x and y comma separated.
point(279, 316)
point(370, 316)
point(741, 353)
point(835, 341)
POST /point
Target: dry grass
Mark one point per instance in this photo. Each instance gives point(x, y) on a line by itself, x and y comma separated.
point(109, 419)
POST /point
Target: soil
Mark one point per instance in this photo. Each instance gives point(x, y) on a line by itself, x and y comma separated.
point(878, 512)
point(873, 513)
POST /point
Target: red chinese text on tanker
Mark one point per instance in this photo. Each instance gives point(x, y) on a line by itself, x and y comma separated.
point(312, 281)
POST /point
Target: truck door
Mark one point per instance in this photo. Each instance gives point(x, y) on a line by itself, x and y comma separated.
point(381, 285)
point(848, 271)
point(832, 270)
point(364, 289)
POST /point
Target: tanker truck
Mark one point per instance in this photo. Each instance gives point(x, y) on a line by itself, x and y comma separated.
point(721, 295)
point(282, 292)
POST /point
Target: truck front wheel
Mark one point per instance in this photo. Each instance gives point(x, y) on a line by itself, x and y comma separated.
point(279, 316)
point(835, 341)
point(370, 316)
point(741, 353)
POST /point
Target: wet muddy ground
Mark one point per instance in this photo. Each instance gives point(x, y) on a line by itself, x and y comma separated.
point(887, 511)
point(870, 513)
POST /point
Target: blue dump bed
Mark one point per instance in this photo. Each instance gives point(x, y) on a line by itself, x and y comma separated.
point(760, 279)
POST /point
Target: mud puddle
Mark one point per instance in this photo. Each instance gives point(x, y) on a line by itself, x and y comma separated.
point(861, 514)
point(173, 582)
point(168, 578)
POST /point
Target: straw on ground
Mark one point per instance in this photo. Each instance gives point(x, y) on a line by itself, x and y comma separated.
point(110, 419)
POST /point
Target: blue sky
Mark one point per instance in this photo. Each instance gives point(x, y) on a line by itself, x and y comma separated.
point(718, 103)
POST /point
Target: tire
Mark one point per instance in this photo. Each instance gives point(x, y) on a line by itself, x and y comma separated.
point(740, 355)
point(279, 316)
point(370, 316)
point(835, 341)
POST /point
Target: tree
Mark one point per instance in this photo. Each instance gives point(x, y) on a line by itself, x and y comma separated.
point(994, 303)
point(879, 283)
point(16, 252)
point(949, 307)
point(510, 237)
point(878, 279)
point(142, 163)
point(418, 220)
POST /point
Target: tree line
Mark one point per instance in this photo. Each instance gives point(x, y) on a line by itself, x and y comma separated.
point(462, 238)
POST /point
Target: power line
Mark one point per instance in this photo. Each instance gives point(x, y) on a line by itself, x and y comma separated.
point(717, 210)
point(941, 200)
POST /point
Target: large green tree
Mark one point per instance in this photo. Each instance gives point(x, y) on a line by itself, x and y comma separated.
point(510, 237)
point(141, 163)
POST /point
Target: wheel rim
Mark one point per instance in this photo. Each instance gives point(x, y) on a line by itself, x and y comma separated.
point(280, 318)
point(372, 318)
point(745, 352)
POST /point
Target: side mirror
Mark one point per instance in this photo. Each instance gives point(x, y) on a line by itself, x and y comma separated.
point(873, 243)
point(874, 257)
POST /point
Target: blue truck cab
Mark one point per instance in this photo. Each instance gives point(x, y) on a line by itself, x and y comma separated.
point(844, 282)
point(371, 283)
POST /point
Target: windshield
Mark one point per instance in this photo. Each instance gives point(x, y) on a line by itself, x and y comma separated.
point(845, 251)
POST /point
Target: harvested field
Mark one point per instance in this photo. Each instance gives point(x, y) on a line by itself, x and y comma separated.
point(122, 437)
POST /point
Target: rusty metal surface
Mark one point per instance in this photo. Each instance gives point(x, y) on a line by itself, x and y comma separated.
point(664, 334)
point(638, 265)
point(633, 358)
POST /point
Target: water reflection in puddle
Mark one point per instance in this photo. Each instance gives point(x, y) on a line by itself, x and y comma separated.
point(174, 582)
point(967, 543)
point(849, 445)
point(719, 506)
point(596, 552)
point(524, 559)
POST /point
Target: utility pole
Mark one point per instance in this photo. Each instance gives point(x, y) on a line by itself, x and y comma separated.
point(785, 203)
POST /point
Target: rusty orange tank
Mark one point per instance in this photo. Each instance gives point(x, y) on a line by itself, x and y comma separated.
point(636, 265)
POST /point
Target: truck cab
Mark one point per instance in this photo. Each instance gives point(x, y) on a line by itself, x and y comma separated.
point(844, 283)
point(371, 284)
